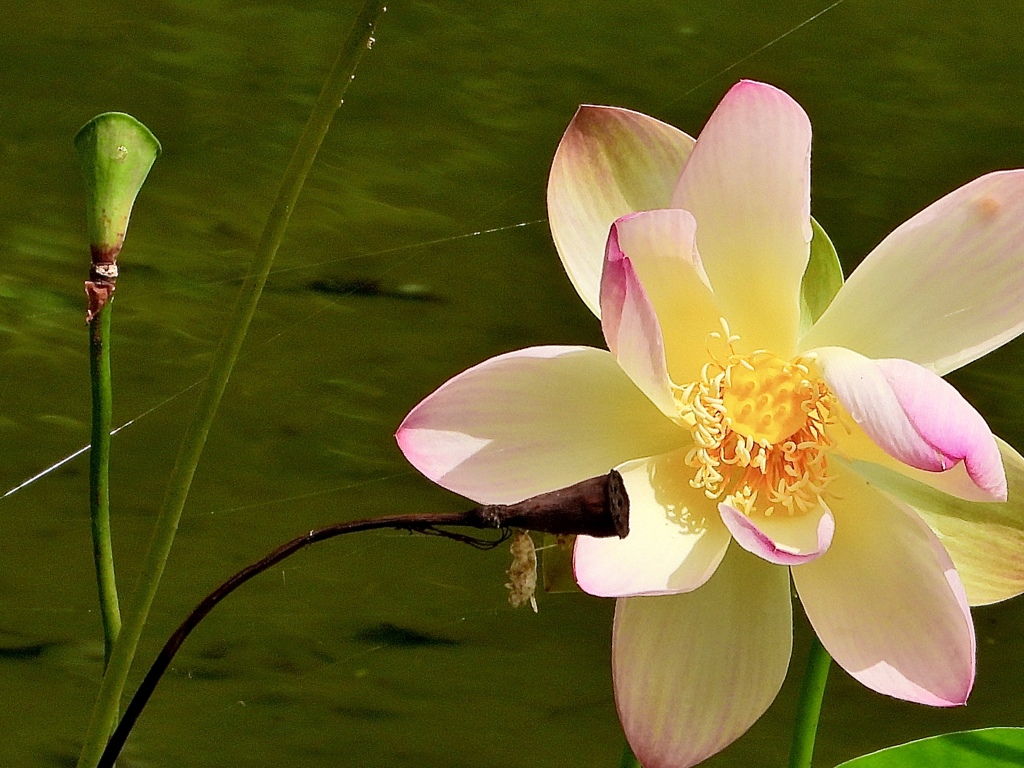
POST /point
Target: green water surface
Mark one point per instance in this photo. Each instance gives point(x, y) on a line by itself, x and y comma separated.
point(417, 249)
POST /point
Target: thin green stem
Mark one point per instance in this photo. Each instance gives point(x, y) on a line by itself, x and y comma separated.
point(99, 477)
point(341, 74)
point(809, 707)
point(628, 759)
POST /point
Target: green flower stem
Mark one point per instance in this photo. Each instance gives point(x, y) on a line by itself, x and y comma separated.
point(628, 759)
point(108, 701)
point(809, 706)
point(99, 477)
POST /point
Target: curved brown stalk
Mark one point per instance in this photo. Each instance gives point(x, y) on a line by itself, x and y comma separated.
point(595, 507)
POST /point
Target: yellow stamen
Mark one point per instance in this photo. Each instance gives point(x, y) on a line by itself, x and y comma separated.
point(759, 430)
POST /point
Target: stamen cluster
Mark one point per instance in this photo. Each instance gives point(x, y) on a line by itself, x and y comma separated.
point(759, 431)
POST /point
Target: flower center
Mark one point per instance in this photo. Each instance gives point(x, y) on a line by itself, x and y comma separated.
point(758, 425)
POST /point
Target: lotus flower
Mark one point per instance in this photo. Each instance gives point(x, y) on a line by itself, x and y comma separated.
point(761, 439)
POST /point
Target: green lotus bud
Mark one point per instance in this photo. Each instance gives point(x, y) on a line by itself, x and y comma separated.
point(116, 152)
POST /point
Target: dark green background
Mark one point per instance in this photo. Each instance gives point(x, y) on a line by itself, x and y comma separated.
point(448, 130)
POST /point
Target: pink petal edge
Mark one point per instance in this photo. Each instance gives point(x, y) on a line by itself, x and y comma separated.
point(758, 542)
point(948, 422)
point(609, 163)
point(531, 421)
point(675, 540)
point(944, 288)
point(747, 183)
point(913, 415)
point(631, 327)
point(660, 246)
point(694, 671)
point(887, 602)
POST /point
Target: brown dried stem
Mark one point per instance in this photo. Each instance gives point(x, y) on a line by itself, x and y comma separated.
point(595, 507)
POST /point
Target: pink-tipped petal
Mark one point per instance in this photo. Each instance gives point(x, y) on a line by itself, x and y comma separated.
point(675, 541)
point(694, 671)
point(914, 415)
point(747, 183)
point(947, 421)
point(660, 246)
point(532, 421)
point(610, 162)
point(886, 600)
point(944, 288)
point(984, 539)
point(781, 539)
point(632, 330)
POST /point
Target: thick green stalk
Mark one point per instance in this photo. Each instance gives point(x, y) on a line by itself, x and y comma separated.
point(99, 477)
point(809, 707)
point(341, 74)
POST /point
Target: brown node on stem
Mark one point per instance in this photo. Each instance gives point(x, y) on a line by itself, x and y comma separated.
point(102, 280)
point(98, 294)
